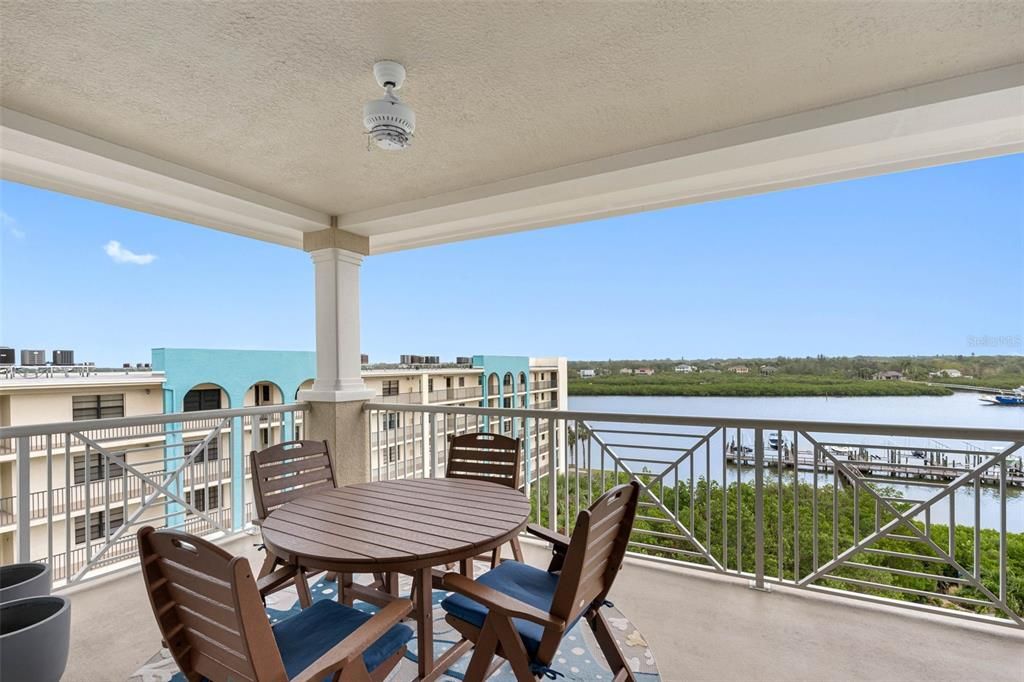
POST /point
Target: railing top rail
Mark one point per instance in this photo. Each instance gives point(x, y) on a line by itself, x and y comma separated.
point(145, 420)
point(925, 431)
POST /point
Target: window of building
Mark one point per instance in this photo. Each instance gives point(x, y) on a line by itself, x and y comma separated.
point(390, 387)
point(204, 498)
point(97, 406)
point(100, 467)
point(263, 393)
point(462, 382)
point(506, 425)
point(507, 402)
point(98, 524)
point(392, 454)
point(392, 420)
point(199, 399)
point(210, 452)
point(447, 382)
point(430, 384)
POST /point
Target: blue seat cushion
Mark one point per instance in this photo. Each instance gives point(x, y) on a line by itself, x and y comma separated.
point(525, 583)
point(309, 634)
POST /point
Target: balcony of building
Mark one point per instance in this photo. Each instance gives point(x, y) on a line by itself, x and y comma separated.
point(700, 627)
point(842, 594)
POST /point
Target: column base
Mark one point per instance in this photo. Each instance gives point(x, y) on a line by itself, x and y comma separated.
point(342, 423)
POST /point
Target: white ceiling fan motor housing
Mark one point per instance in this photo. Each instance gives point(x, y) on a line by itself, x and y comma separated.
point(389, 123)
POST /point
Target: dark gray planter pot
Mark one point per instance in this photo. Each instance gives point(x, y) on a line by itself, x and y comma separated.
point(34, 638)
point(19, 581)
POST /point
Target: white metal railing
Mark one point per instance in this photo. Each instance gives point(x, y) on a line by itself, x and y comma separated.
point(912, 516)
point(455, 393)
point(100, 480)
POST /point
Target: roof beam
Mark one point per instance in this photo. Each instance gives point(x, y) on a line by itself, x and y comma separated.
point(42, 154)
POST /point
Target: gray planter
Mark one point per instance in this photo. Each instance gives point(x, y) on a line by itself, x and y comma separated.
point(34, 637)
point(19, 581)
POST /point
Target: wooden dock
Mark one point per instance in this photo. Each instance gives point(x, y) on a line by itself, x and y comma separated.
point(898, 466)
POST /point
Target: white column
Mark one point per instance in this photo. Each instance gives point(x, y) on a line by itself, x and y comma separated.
point(338, 375)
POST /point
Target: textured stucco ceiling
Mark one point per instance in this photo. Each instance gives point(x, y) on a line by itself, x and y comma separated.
point(269, 94)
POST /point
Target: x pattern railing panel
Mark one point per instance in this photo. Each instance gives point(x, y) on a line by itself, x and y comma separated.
point(890, 514)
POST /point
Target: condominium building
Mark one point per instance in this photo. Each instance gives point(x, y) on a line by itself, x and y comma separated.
point(84, 486)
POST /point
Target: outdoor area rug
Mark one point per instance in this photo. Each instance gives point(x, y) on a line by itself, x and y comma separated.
point(579, 658)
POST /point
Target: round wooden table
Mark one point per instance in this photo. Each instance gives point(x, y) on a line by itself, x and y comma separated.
point(406, 526)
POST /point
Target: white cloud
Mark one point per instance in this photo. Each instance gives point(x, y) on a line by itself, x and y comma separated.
point(119, 254)
point(12, 225)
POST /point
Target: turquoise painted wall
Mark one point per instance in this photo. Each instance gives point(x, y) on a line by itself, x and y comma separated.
point(235, 371)
point(501, 365)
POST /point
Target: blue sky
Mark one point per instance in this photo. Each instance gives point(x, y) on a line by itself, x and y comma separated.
point(923, 262)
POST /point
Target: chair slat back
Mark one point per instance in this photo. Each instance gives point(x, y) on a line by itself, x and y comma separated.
point(596, 550)
point(289, 470)
point(485, 457)
point(208, 609)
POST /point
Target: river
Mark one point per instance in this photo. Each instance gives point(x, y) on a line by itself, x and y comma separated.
point(960, 409)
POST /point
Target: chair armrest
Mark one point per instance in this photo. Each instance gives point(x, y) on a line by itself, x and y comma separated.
point(275, 579)
point(353, 646)
point(499, 602)
point(557, 539)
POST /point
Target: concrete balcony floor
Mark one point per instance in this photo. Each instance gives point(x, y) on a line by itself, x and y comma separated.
point(699, 626)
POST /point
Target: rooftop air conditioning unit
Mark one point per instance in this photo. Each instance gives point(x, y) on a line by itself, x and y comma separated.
point(33, 358)
point(63, 357)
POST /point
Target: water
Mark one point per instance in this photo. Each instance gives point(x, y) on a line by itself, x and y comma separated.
point(960, 409)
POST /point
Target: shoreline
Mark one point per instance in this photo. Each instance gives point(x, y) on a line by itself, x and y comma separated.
point(754, 389)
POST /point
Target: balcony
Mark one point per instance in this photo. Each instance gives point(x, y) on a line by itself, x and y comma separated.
point(402, 398)
point(700, 627)
point(455, 394)
point(720, 512)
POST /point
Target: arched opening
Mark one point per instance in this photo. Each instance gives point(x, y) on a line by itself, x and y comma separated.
point(263, 393)
point(304, 386)
point(493, 386)
point(270, 426)
point(202, 397)
point(522, 381)
point(509, 383)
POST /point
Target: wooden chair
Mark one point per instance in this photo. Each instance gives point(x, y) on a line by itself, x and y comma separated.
point(293, 469)
point(211, 617)
point(280, 474)
point(521, 613)
point(487, 457)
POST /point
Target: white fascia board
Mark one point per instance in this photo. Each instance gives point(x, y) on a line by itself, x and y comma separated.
point(947, 121)
point(42, 154)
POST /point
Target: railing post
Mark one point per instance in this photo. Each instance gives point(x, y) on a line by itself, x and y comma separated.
point(24, 501)
point(552, 478)
point(759, 511)
point(237, 455)
point(429, 438)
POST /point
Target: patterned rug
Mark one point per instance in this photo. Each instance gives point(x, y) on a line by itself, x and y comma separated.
point(579, 659)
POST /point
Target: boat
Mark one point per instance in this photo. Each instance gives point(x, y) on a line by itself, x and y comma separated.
point(1015, 397)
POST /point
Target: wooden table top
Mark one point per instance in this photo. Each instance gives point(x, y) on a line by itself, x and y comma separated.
point(395, 525)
